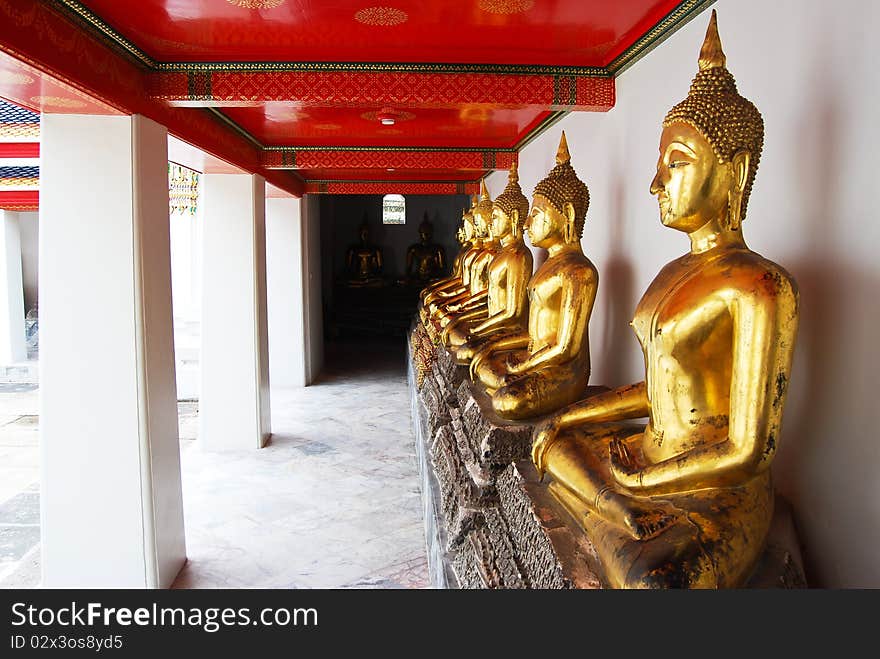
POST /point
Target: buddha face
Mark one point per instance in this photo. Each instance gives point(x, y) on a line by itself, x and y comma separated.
point(365, 234)
point(481, 222)
point(425, 235)
point(467, 226)
point(545, 224)
point(692, 187)
point(501, 223)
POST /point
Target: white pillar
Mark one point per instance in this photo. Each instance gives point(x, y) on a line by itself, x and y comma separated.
point(284, 291)
point(234, 394)
point(12, 343)
point(313, 308)
point(112, 512)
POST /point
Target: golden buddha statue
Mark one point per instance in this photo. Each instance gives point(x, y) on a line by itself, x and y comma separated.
point(539, 370)
point(457, 281)
point(507, 306)
point(425, 260)
point(474, 295)
point(364, 260)
point(687, 500)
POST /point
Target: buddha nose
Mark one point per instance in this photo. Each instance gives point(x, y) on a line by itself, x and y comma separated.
point(656, 184)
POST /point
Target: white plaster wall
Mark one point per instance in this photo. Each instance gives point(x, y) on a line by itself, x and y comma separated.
point(810, 68)
point(284, 272)
point(314, 313)
point(110, 489)
point(29, 232)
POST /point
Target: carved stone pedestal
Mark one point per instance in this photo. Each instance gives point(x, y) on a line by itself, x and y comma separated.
point(491, 524)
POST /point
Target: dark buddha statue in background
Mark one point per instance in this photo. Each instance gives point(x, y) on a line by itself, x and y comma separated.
point(364, 260)
point(425, 260)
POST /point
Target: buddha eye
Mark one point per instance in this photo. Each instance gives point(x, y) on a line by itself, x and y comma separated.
point(678, 163)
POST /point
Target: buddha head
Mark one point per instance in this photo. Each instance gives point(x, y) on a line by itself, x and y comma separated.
point(426, 230)
point(559, 204)
point(467, 222)
point(511, 207)
point(483, 212)
point(709, 149)
point(364, 232)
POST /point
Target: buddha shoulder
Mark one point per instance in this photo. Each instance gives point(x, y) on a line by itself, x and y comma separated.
point(748, 273)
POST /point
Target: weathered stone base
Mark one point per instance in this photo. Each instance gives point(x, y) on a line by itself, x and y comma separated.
point(494, 525)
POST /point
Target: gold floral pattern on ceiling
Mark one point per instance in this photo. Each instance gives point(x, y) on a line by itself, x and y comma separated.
point(13, 78)
point(398, 115)
point(57, 102)
point(384, 16)
point(506, 6)
point(256, 4)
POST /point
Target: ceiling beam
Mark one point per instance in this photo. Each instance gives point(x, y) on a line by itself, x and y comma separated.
point(391, 187)
point(213, 86)
point(478, 160)
point(33, 33)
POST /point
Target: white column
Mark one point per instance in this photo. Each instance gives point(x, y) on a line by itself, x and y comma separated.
point(284, 291)
point(313, 308)
point(112, 512)
point(234, 396)
point(12, 343)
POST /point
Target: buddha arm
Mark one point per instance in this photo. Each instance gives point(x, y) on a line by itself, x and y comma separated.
point(512, 342)
point(439, 298)
point(478, 299)
point(471, 314)
point(629, 402)
point(447, 303)
point(576, 306)
point(516, 296)
point(764, 332)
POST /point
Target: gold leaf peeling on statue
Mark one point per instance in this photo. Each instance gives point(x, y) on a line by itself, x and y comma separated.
point(256, 4)
point(57, 102)
point(506, 6)
point(386, 16)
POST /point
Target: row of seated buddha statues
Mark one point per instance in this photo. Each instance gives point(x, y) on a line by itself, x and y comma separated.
point(425, 260)
point(668, 478)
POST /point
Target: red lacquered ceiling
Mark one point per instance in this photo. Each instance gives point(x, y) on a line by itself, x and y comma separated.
point(284, 124)
point(561, 32)
point(32, 89)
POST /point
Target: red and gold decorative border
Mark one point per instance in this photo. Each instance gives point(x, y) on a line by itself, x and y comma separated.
point(391, 187)
point(356, 88)
point(367, 158)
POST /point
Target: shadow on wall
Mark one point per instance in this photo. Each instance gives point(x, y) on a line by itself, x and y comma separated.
point(829, 443)
point(616, 285)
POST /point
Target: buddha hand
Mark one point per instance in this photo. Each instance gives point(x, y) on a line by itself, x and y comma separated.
point(624, 468)
point(543, 437)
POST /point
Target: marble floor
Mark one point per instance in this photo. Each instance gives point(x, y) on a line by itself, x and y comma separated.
point(332, 502)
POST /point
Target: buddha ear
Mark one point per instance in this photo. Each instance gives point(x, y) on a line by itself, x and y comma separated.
point(514, 222)
point(569, 233)
point(740, 166)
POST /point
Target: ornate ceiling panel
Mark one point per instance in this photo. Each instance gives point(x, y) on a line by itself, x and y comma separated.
point(304, 85)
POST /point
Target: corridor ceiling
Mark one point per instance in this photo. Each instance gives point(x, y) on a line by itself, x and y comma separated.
point(298, 89)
